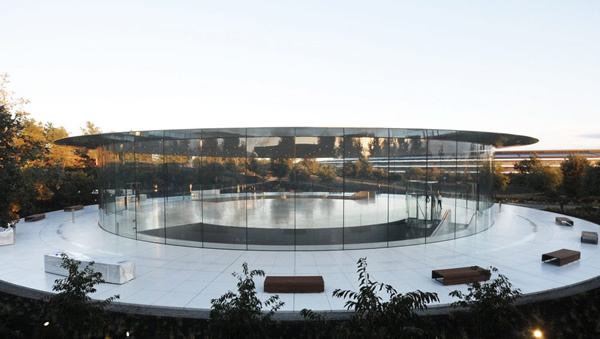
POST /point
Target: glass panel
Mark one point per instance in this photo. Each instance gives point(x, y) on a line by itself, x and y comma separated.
point(271, 206)
point(150, 187)
point(441, 163)
point(106, 198)
point(183, 202)
point(100, 172)
point(109, 189)
point(365, 189)
point(125, 199)
point(222, 190)
point(466, 186)
point(407, 179)
point(485, 187)
point(450, 192)
point(318, 189)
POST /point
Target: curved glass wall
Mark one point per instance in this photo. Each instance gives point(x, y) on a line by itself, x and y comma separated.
point(296, 188)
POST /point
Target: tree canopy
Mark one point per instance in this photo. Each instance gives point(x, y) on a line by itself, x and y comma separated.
point(10, 174)
point(538, 176)
point(38, 175)
point(573, 170)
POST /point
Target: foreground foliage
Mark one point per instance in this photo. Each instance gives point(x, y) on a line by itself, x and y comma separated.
point(490, 307)
point(570, 317)
point(239, 315)
point(373, 316)
point(10, 175)
point(71, 308)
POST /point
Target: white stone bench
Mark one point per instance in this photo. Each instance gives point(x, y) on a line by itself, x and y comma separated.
point(114, 270)
point(7, 236)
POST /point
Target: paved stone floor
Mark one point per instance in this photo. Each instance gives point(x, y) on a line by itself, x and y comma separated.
point(185, 279)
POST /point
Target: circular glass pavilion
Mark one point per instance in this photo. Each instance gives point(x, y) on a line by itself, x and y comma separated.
point(296, 188)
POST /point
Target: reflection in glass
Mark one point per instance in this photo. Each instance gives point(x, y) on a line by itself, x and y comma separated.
point(296, 188)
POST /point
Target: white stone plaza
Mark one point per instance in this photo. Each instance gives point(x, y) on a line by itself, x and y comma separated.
point(184, 279)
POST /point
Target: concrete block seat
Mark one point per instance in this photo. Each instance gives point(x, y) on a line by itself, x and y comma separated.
point(461, 275)
point(114, 270)
point(564, 221)
point(589, 237)
point(7, 236)
point(294, 284)
point(561, 257)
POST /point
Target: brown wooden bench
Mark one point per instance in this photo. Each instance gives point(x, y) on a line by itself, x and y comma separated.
point(294, 284)
point(73, 208)
point(35, 217)
point(561, 257)
point(564, 221)
point(461, 275)
point(589, 237)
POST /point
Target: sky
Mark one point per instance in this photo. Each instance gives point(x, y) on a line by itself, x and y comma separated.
point(519, 67)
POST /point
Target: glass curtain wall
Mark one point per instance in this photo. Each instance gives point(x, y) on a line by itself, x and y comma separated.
point(441, 173)
point(318, 188)
point(222, 177)
point(295, 188)
point(272, 212)
point(149, 186)
point(125, 206)
point(406, 174)
point(365, 188)
point(107, 188)
point(183, 211)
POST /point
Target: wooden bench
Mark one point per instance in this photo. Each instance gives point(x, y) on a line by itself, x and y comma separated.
point(73, 208)
point(461, 275)
point(294, 284)
point(561, 257)
point(589, 237)
point(564, 221)
point(35, 217)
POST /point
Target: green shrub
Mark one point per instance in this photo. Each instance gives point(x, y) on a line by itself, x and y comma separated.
point(72, 312)
point(240, 315)
point(373, 317)
point(490, 306)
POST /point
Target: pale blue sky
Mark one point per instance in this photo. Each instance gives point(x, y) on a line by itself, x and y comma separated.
point(522, 67)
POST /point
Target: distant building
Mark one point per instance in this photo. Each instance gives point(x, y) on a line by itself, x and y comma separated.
point(548, 157)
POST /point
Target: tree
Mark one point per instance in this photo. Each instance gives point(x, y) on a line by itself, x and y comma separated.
point(573, 170)
point(7, 97)
point(538, 176)
point(545, 179)
point(353, 147)
point(11, 156)
point(240, 315)
point(71, 311)
point(375, 318)
point(501, 180)
point(258, 167)
point(304, 169)
point(90, 128)
point(415, 173)
point(591, 181)
point(528, 165)
point(281, 167)
point(10, 175)
point(378, 147)
point(326, 173)
point(490, 307)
